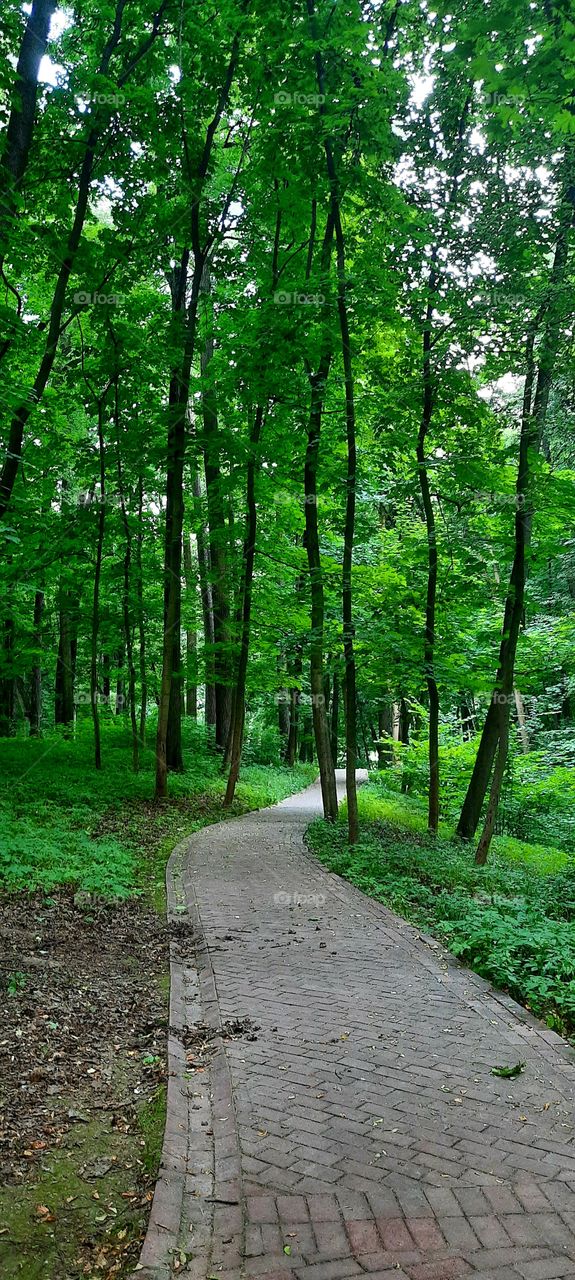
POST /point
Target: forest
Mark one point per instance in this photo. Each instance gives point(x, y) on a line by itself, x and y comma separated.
point(288, 464)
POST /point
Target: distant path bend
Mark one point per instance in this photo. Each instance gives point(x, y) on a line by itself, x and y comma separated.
point(358, 1131)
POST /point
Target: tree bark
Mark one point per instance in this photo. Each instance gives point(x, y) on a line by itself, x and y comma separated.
point(96, 590)
point(126, 611)
point(202, 543)
point(191, 636)
point(177, 420)
point(141, 617)
point(248, 573)
point(350, 695)
point(318, 384)
point(218, 543)
point(431, 594)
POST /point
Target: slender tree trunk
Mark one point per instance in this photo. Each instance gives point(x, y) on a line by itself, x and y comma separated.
point(429, 643)
point(319, 717)
point(318, 385)
point(350, 696)
point(126, 613)
point(141, 617)
point(207, 609)
point(191, 636)
point(218, 543)
point(178, 409)
point(96, 590)
point(248, 573)
point(495, 793)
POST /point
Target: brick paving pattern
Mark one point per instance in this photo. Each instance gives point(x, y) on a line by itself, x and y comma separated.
point(358, 1130)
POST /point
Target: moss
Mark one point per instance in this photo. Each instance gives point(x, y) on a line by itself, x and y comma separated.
point(151, 1123)
point(84, 1215)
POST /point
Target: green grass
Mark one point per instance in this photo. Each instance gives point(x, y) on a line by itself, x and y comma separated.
point(64, 823)
point(512, 921)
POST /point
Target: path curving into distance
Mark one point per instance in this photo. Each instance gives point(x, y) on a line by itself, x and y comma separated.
point(331, 1108)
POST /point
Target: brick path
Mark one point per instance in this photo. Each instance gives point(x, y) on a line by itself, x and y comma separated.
point(359, 1127)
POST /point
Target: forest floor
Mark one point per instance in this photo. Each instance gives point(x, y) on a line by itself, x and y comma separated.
point(84, 994)
point(345, 1099)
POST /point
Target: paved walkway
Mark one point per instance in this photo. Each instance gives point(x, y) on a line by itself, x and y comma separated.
point(338, 1117)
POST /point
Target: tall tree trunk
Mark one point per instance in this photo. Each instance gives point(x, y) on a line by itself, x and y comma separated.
point(218, 543)
point(126, 612)
point(191, 636)
point(141, 617)
point(248, 573)
point(177, 421)
point(202, 543)
point(96, 591)
point(494, 796)
point(319, 717)
point(350, 696)
point(430, 603)
point(318, 384)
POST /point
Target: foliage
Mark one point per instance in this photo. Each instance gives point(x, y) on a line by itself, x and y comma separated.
point(63, 823)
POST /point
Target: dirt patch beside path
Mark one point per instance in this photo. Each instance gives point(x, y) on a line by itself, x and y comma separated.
point(83, 1009)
